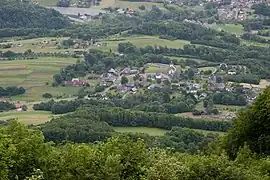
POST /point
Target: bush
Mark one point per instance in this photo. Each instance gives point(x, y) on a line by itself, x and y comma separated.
point(47, 95)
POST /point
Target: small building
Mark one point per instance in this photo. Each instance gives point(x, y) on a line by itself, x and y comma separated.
point(75, 82)
point(112, 71)
point(154, 86)
point(19, 107)
point(232, 72)
point(130, 85)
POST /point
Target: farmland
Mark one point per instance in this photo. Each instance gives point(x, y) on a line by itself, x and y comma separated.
point(35, 76)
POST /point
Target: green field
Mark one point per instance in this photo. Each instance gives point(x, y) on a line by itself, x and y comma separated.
point(253, 43)
point(146, 130)
point(155, 69)
point(237, 29)
point(27, 117)
point(213, 69)
point(47, 44)
point(33, 75)
point(141, 41)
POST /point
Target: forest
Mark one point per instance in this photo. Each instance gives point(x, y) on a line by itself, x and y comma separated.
point(240, 154)
point(29, 16)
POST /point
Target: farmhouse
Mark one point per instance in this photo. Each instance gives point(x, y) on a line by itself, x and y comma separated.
point(128, 71)
point(232, 72)
point(76, 82)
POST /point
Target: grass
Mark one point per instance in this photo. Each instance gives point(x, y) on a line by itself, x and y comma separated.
point(154, 69)
point(51, 3)
point(33, 75)
point(141, 41)
point(135, 5)
point(237, 29)
point(207, 69)
point(27, 117)
point(253, 43)
point(146, 130)
point(36, 45)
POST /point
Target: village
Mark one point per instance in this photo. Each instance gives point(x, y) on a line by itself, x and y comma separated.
point(200, 82)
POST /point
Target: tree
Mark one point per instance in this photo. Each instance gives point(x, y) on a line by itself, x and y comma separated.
point(124, 80)
point(47, 95)
point(251, 127)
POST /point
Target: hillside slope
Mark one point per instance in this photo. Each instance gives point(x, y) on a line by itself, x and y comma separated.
point(14, 14)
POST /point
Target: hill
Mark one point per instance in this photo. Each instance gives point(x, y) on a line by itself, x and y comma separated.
point(14, 14)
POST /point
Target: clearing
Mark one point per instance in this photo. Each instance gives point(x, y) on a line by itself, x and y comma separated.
point(33, 75)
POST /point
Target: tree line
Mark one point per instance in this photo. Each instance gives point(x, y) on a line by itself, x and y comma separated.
point(25, 155)
point(11, 91)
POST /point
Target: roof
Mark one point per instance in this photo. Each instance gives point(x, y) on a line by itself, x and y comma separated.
point(112, 70)
point(130, 84)
point(75, 83)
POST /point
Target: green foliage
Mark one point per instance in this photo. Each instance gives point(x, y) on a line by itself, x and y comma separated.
point(77, 127)
point(262, 9)
point(11, 91)
point(5, 106)
point(251, 127)
point(187, 140)
point(124, 80)
point(29, 16)
point(24, 155)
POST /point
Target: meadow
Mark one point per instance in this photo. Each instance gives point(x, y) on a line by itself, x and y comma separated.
point(141, 41)
point(146, 130)
point(36, 76)
point(27, 117)
point(237, 29)
point(46, 44)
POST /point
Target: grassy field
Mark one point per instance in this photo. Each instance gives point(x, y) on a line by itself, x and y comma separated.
point(28, 117)
point(47, 44)
point(33, 75)
point(207, 68)
point(232, 28)
point(154, 69)
point(141, 41)
point(253, 43)
point(150, 131)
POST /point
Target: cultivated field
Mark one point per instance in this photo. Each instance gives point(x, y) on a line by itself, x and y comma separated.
point(33, 75)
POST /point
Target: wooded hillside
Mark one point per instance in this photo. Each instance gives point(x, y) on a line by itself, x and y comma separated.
point(15, 14)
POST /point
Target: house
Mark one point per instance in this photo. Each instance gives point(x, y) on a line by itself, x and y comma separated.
point(19, 107)
point(108, 77)
point(158, 76)
point(154, 86)
point(128, 71)
point(75, 82)
point(202, 96)
point(3, 100)
point(112, 71)
point(232, 72)
point(172, 69)
point(130, 85)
